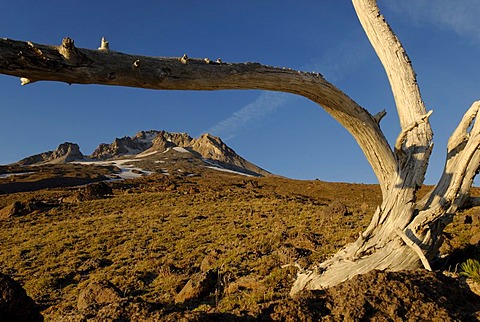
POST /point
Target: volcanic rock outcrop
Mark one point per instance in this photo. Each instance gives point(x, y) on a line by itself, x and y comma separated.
point(65, 152)
point(210, 149)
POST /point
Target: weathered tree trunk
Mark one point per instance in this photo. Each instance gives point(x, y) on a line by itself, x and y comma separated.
point(405, 233)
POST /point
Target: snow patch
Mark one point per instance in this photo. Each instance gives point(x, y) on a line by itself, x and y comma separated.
point(143, 154)
point(127, 171)
point(132, 173)
point(229, 171)
point(215, 166)
point(180, 149)
point(7, 175)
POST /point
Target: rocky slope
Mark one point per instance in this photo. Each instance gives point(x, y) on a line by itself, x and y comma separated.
point(66, 152)
point(210, 150)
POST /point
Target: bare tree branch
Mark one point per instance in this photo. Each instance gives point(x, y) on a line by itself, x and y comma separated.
point(403, 82)
point(66, 63)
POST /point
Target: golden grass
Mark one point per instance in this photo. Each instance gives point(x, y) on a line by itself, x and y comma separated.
point(149, 238)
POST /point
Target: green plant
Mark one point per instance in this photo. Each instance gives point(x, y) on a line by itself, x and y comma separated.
point(471, 269)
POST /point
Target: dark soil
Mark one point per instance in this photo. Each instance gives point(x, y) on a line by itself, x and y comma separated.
point(15, 304)
point(376, 296)
point(384, 296)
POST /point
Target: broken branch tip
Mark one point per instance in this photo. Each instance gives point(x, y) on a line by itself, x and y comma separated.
point(104, 45)
point(25, 81)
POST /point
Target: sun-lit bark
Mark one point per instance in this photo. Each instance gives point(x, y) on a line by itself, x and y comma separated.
point(404, 234)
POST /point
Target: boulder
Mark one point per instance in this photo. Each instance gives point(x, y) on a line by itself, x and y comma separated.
point(15, 304)
point(94, 191)
point(98, 294)
point(198, 287)
point(210, 261)
point(15, 209)
point(337, 208)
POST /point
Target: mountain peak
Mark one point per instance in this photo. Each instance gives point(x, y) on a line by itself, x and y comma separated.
point(65, 152)
point(208, 149)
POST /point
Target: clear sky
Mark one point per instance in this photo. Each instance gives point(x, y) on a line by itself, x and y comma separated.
point(282, 133)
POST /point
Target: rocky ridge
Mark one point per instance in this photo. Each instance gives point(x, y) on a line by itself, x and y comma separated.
point(211, 149)
point(65, 152)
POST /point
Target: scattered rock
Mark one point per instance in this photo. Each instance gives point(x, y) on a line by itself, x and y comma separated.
point(23, 208)
point(250, 282)
point(192, 190)
point(15, 209)
point(15, 304)
point(98, 294)
point(170, 187)
point(337, 208)
point(94, 191)
point(198, 287)
point(210, 261)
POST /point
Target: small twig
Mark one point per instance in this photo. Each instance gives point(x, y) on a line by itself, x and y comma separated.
point(379, 116)
point(104, 45)
point(67, 49)
point(297, 265)
point(415, 248)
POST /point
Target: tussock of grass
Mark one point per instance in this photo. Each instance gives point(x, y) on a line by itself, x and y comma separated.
point(471, 269)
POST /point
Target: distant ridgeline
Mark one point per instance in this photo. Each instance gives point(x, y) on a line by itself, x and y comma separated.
point(149, 145)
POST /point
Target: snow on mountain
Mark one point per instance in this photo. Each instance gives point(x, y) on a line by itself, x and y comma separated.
point(150, 148)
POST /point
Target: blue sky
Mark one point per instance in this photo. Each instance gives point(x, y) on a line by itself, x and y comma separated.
point(282, 133)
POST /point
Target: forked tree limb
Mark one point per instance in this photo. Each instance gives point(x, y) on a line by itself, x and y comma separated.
point(379, 247)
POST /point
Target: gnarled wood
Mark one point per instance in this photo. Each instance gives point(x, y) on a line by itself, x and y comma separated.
point(402, 234)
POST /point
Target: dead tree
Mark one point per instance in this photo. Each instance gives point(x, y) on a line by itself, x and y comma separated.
point(405, 232)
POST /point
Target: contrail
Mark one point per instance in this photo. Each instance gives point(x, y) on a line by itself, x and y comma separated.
point(335, 64)
point(249, 116)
